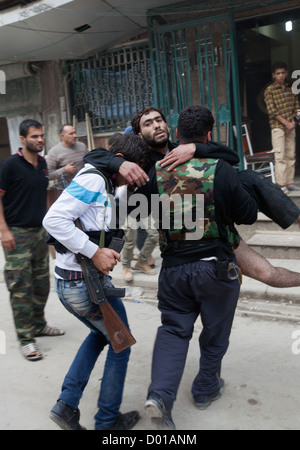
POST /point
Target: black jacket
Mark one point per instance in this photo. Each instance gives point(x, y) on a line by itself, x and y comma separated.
point(233, 203)
point(269, 197)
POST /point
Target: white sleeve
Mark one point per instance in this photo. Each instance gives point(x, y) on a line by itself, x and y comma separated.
point(74, 202)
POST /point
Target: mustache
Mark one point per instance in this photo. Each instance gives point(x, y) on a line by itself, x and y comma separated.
point(160, 131)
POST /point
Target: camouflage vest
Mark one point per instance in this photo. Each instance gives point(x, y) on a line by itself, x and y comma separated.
point(183, 184)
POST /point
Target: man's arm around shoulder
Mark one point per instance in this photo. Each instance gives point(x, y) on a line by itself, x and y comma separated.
point(108, 162)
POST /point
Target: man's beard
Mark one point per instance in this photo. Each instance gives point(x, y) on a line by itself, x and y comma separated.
point(154, 144)
point(32, 148)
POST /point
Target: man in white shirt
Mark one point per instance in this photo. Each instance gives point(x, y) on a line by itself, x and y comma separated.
point(88, 197)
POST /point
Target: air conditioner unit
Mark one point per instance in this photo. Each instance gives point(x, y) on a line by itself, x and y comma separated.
point(19, 70)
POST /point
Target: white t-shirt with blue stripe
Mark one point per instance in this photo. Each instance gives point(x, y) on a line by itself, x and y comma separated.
point(85, 198)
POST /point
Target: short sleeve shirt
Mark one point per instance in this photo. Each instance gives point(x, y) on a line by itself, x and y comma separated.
point(25, 190)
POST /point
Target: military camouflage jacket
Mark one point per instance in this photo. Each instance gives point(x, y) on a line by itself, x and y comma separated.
point(225, 203)
point(189, 203)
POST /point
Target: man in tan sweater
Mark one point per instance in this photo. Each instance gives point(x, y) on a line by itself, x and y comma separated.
point(66, 158)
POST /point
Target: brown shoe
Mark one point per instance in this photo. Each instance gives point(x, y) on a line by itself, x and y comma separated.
point(127, 274)
point(144, 268)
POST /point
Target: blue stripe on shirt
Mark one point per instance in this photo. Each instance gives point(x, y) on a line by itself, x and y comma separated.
point(84, 195)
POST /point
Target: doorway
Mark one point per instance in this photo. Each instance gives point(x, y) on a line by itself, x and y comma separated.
point(195, 63)
point(261, 41)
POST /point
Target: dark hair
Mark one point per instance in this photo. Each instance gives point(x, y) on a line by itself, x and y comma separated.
point(145, 111)
point(279, 65)
point(113, 137)
point(194, 123)
point(133, 149)
point(28, 123)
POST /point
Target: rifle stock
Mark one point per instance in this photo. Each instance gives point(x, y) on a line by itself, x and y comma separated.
point(118, 333)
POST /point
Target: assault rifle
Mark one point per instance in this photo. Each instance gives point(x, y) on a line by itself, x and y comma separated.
point(118, 333)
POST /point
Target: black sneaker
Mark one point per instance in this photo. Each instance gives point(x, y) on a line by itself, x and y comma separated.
point(124, 421)
point(211, 397)
point(158, 412)
point(66, 417)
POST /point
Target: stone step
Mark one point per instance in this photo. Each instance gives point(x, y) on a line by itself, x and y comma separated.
point(295, 196)
point(276, 245)
point(264, 224)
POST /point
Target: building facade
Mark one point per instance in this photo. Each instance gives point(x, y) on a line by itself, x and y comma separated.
point(217, 54)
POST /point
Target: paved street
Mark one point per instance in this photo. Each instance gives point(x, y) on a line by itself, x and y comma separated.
point(261, 369)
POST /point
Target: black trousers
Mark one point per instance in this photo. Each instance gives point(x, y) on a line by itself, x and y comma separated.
point(185, 292)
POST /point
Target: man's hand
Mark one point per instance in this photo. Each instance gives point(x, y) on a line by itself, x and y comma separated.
point(8, 240)
point(179, 155)
point(105, 260)
point(290, 126)
point(70, 168)
point(133, 173)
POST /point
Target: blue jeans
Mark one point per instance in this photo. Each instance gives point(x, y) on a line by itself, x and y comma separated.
point(75, 298)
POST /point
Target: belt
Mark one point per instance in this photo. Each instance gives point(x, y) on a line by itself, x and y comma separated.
point(73, 275)
point(70, 275)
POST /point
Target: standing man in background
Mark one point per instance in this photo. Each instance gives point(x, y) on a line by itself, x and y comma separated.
point(66, 158)
point(23, 192)
point(282, 105)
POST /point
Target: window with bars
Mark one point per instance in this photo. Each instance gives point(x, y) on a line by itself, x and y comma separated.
point(111, 87)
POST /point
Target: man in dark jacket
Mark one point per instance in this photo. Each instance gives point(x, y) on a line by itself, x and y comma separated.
point(214, 291)
point(199, 276)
